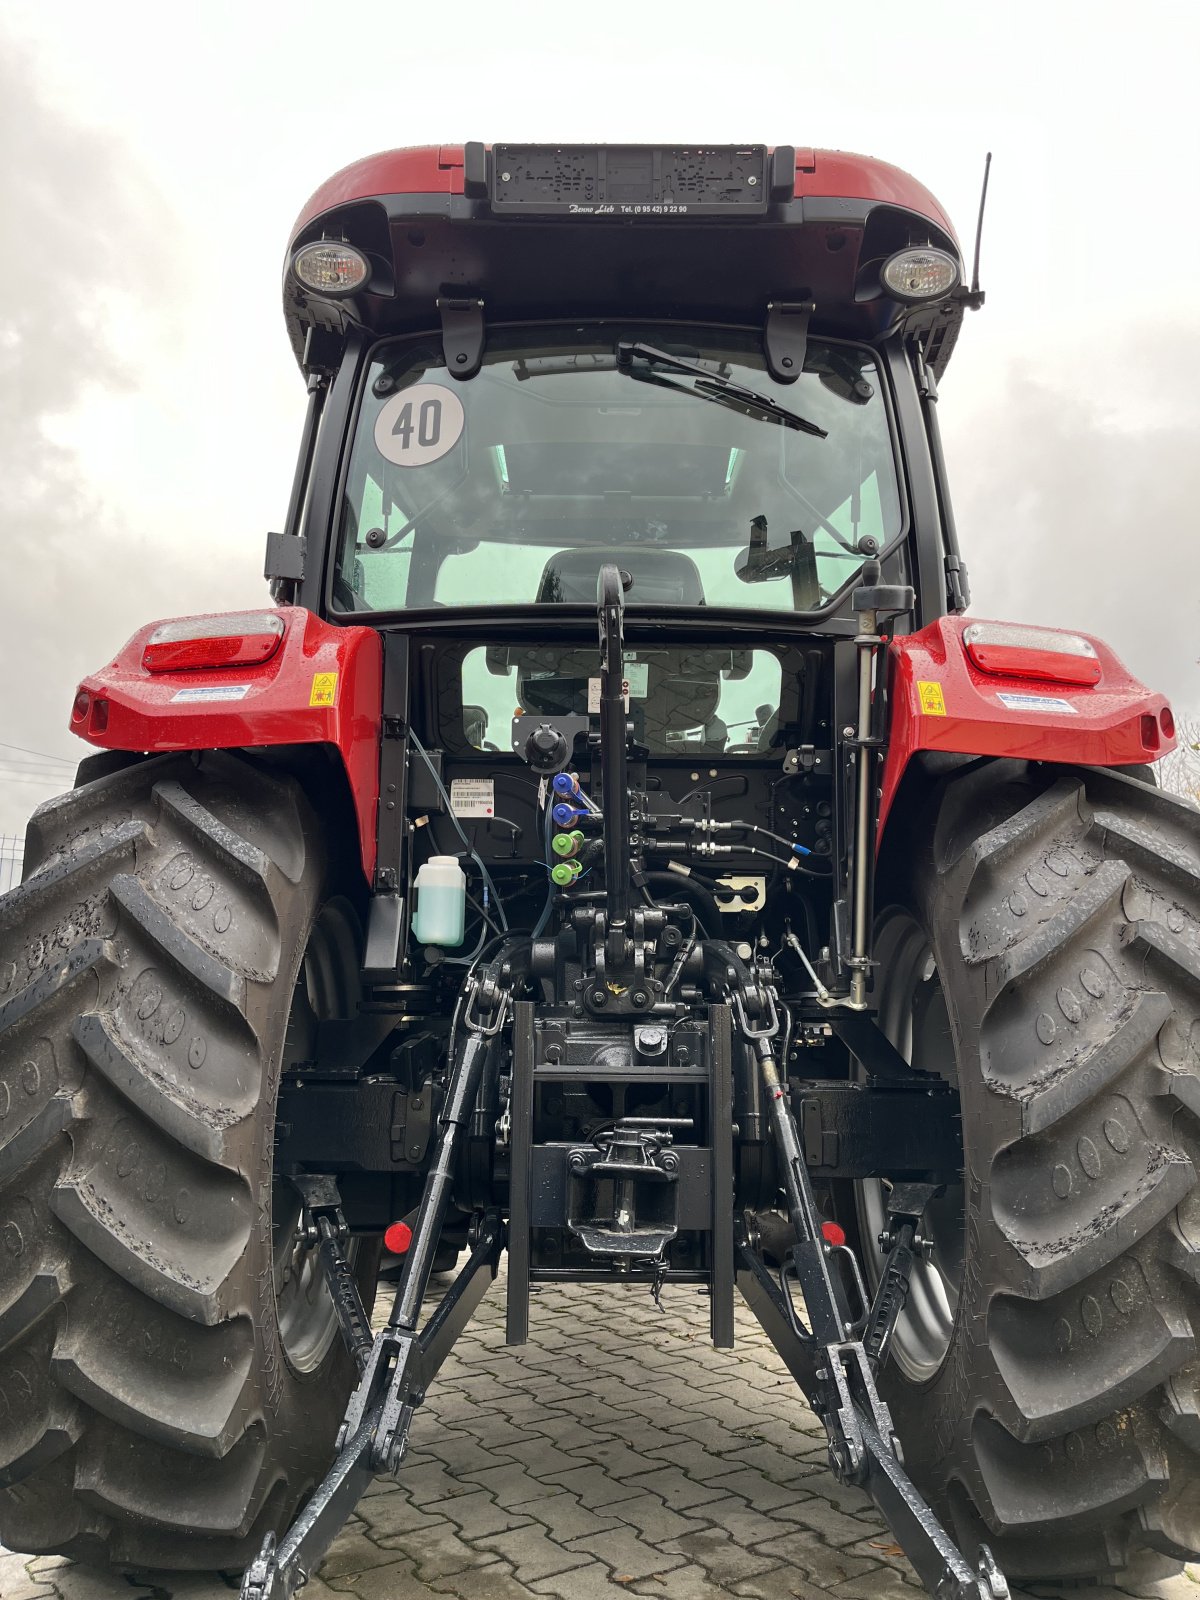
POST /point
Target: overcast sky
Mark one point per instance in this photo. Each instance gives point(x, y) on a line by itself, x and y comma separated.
point(152, 159)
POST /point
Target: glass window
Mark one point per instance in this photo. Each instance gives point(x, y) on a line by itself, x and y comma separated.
point(570, 449)
point(681, 701)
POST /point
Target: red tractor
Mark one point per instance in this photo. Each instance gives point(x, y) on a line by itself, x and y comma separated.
point(614, 847)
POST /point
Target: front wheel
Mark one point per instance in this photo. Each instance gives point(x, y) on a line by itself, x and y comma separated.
point(1041, 951)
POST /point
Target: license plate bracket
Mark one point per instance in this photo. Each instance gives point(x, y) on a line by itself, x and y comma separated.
point(630, 180)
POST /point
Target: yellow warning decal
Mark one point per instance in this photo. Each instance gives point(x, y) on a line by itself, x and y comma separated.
point(933, 703)
point(324, 689)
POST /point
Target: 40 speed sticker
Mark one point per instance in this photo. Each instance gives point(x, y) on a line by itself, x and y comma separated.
point(419, 425)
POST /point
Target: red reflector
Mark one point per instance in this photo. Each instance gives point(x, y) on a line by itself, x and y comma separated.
point(833, 1234)
point(397, 1238)
point(233, 650)
point(1019, 661)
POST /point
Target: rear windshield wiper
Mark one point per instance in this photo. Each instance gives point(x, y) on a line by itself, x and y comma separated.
point(646, 363)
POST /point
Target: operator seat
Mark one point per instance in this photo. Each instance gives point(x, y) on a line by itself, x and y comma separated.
point(663, 577)
point(678, 698)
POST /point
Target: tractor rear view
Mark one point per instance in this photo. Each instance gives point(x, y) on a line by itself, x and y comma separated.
point(614, 848)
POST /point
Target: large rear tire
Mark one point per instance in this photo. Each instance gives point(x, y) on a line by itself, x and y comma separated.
point(1047, 1399)
point(150, 1414)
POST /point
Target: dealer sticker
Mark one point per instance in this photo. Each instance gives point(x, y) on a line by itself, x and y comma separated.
point(473, 797)
point(933, 702)
point(1037, 702)
point(210, 692)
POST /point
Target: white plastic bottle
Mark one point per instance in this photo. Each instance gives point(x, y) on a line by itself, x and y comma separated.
point(441, 912)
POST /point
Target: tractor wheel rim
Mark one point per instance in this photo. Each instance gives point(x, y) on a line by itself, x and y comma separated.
point(912, 1013)
point(303, 1306)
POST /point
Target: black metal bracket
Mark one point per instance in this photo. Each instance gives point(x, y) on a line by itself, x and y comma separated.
point(462, 336)
point(285, 557)
point(325, 1226)
point(785, 337)
point(374, 1435)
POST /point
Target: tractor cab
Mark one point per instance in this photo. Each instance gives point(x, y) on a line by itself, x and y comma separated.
point(644, 354)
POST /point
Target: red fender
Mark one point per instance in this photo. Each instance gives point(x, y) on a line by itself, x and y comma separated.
point(323, 685)
point(940, 700)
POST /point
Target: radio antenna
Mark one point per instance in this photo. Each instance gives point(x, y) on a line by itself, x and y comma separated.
point(975, 299)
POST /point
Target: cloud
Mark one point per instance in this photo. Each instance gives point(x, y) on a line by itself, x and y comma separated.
point(1080, 509)
point(87, 253)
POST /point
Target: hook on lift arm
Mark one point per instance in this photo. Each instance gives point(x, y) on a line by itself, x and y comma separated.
point(835, 1370)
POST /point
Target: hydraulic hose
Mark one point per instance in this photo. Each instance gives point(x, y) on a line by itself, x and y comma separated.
point(702, 900)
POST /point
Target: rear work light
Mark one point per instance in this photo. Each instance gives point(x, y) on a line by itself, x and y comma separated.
point(1013, 651)
point(915, 276)
point(331, 267)
point(241, 639)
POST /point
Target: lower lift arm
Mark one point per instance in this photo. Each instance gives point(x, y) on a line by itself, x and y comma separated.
point(396, 1367)
point(835, 1370)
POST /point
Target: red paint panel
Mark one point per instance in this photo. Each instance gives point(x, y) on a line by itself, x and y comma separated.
point(438, 169)
point(286, 700)
point(423, 169)
point(836, 174)
point(1115, 722)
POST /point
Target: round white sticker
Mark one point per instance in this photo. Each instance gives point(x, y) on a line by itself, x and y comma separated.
point(419, 425)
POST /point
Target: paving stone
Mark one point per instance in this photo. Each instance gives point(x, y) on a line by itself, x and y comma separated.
point(721, 1558)
point(566, 1517)
point(834, 1526)
point(387, 1514)
point(676, 1490)
point(742, 1523)
point(882, 1584)
point(769, 1462)
point(627, 1555)
point(780, 1583)
point(458, 1452)
point(427, 1483)
point(439, 1550)
point(354, 1551)
point(825, 1563)
point(759, 1491)
point(533, 1554)
point(619, 1461)
point(683, 1583)
point(593, 1582)
point(386, 1582)
point(480, 1513)
point(692, 1459)
point(542, 1460)
point(594, 1487)
point(481, 1583)
point(18, 1583)
point(654, 1520)
point(508, 1483)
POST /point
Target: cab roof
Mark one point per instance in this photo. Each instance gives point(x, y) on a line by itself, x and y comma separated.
point(437, 223)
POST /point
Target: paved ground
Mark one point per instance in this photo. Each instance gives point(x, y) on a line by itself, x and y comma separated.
point(616, 1454)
